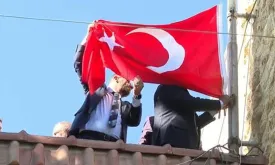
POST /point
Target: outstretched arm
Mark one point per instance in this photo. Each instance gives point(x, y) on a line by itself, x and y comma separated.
point(78, 65)
point(178, 98)
point(205, 119)
point(78, 59)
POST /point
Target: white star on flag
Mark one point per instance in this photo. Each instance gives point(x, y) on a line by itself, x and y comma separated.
point(111, 41)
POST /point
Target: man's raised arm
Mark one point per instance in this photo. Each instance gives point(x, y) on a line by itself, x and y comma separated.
point(78, 59)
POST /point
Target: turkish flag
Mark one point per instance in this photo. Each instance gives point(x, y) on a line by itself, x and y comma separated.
point(184, 53)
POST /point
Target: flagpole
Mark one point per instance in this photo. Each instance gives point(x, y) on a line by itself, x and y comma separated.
point(233, 114)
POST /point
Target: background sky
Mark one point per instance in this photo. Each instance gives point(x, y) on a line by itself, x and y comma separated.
point(38, 86)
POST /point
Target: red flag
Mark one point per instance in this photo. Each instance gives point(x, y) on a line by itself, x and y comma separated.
point(184, 53)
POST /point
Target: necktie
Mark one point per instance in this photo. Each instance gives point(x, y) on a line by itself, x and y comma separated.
point(114, 111)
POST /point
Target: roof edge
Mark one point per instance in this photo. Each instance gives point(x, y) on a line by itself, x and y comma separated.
point(23, 136)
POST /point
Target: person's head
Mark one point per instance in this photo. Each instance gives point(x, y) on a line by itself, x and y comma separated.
point(61, 129)
point(0, 125)
point(121, 85)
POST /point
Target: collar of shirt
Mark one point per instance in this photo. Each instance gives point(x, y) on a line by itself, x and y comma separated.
point(110, 90)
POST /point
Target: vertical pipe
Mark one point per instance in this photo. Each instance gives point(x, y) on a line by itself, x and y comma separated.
point(233, 115)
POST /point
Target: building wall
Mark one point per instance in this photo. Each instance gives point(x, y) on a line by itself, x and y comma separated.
point(260, 52)
point(256, 68)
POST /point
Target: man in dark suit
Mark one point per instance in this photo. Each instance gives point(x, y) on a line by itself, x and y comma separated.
point(176, 122)
point(147, 130)
point(92, 121)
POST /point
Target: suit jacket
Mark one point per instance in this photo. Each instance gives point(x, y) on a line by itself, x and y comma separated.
point(176, 122)
point(130, 115)
point(78, 65)
point(147, 130)
point(78, 60)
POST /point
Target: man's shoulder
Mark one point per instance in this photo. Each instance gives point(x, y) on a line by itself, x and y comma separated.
point(167, 88)
point(99, 91)
point(125, 102)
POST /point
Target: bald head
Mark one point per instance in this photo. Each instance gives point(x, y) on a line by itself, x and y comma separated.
point(61, 129)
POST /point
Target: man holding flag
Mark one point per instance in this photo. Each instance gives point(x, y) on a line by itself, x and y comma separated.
point(183, 54)
point(93, 119)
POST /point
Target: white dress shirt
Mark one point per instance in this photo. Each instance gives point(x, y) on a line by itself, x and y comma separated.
point(100, 116)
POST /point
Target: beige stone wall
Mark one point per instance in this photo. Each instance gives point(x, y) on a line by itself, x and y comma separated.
point(259, 53)
point(245, 44)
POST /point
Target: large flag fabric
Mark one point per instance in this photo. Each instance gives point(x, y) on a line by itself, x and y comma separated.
point(184, 53)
